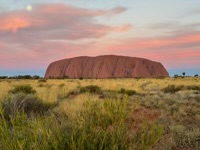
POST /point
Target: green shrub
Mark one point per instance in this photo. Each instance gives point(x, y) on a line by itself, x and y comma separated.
point(61, 85)
point(193, 87)
point(93, 89)
point(130, 92)
point(29, 104)
point(81, 78)
point(127, 92)
point(122, 91)
point(27, 89)
point(41, 85)
point(173, 88)
point(42, 80)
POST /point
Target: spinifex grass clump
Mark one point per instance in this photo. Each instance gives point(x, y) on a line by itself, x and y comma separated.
point(148, 136)
point(27, 103)
point(173, 88)
point(93, 89)
point(193, 87)
point(42, 80)
point(27, 89)
point(37, 133)
point(127, 92)
point(108, 125)
point(184, 137)
point(101, 125)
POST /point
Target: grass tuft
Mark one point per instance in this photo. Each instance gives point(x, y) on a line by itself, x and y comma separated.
point(27, 89)
point(173, 88)
point(29, 104)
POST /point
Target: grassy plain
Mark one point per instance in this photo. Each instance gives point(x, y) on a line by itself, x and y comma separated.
point(159, 114)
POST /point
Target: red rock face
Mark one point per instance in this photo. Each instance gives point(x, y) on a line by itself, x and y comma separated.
point(108, 66)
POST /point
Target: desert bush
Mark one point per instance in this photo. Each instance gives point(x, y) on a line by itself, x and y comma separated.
point(81, 78)
point(122, 90)
point(127, 92)
point(130, 92)
point(27, 89)
point(193, 87)
point(173, 88)
point(93, 89)
point(61, 85)
point(29, 104)
point(41, 85)
point(42, 80)
point(183, 137)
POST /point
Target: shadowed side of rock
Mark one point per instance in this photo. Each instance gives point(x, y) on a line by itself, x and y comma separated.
point(108, 66)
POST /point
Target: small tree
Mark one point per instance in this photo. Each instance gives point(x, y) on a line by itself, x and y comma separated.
point(183, 74)
point(3, 77)
point(176, 76)
point(196, 75)
point(36, 77)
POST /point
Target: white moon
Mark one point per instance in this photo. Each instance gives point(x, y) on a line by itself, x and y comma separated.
point(29, 8)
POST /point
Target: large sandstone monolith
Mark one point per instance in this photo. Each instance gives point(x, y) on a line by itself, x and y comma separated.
point(108, 66)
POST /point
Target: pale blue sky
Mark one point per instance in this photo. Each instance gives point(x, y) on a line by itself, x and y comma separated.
point(167, 26)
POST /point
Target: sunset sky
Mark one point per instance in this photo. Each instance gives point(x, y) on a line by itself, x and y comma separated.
point(34, 33)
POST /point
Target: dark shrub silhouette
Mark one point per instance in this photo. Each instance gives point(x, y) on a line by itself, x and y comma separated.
point(42, 80)
point(91, 89)
point(29, 104)
point(127, 92)
point(173, 88)
point(27, 89)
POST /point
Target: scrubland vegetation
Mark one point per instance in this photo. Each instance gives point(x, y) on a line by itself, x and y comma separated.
point(89, 114)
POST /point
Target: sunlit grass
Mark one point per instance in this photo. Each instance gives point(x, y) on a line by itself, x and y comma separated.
point(140, 109)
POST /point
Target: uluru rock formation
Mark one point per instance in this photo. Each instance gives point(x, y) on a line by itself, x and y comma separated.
point(108, 66)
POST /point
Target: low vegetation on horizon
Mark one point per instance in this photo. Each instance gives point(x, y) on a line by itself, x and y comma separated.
point(138, 114)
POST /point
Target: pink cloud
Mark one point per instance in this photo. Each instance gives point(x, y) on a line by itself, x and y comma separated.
point(57, 22)
point(55, 31)
point(157, 42)
point(37, 36)
point(124, 28)
point(2, 45)
point(172, 50)
point(75, 11)
point(14, 22)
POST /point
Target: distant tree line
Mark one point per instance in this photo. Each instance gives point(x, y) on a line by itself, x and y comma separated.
point(81, 78)
point(21, 77)
point(184, 75)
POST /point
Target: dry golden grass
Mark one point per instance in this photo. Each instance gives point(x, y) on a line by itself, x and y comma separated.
point(50, 90)
point(177, 112)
